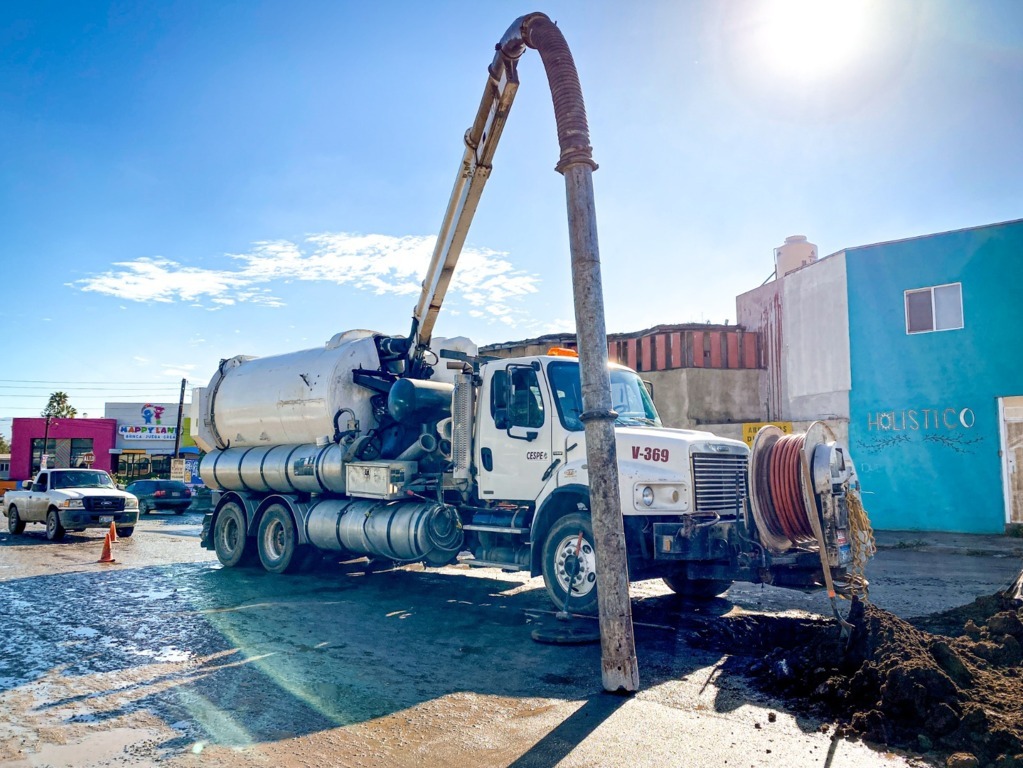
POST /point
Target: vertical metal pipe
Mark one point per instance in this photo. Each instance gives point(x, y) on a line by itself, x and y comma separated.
point(619, 667)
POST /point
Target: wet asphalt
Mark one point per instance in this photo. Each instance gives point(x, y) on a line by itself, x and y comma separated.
point(400, 667)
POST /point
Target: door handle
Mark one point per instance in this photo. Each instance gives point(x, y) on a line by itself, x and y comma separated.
point(487, 457)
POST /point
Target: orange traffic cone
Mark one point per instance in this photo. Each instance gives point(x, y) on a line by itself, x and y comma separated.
point(113, 532)
point(106, 557)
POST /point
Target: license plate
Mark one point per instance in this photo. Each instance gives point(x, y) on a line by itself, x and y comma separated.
point(106, 518)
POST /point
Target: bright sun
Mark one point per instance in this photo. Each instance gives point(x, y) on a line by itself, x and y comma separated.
point(811, 40)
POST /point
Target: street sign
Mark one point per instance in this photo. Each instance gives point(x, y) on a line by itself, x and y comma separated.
point(750, 429)
point(177, 469)
point(88, 458)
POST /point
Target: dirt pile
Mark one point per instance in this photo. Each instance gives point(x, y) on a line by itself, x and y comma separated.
point(900, 685)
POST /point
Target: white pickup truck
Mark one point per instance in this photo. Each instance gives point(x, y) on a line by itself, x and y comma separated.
point(71, 500)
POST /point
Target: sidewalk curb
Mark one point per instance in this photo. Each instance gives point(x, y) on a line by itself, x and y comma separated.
point(977, 545)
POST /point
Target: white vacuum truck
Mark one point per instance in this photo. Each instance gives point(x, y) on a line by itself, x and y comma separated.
point(408, 449)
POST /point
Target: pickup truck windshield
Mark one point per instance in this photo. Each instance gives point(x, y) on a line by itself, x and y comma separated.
point(82, 478)
point(628, 397)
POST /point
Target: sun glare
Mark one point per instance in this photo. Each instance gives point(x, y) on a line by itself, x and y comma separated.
point(812, 39)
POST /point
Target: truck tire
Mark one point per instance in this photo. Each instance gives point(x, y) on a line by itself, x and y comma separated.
point(124, 533)
point(229, 537)
point(279, 551)
point(54, 530)
point(559, 552)
point(15, 525)
point(700, 589)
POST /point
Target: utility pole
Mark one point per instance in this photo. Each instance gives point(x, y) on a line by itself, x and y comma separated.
point(619, 666)
point(177, 430)
point(43, 456)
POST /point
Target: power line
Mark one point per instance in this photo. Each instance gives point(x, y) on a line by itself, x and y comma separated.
point(65, 384)
point(95, 389)
point(114, 395)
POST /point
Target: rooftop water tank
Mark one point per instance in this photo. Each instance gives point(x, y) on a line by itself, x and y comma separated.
point(795, 253)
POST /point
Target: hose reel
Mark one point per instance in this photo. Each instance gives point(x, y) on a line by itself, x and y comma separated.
point(786, 470)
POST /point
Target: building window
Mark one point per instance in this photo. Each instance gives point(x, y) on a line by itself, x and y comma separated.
point(38, 451)
point(939, 308)
point(79, 447)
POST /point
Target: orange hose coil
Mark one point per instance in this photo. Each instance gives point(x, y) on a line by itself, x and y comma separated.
point(785, 512)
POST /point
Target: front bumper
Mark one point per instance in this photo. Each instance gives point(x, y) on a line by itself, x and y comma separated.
point(80, 518)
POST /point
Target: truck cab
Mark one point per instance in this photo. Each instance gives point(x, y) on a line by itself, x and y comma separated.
point(531, 474)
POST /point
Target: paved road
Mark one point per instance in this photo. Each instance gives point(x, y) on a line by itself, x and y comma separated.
point(168, 658)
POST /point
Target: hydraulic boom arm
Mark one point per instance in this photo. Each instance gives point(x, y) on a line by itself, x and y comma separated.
point(474, 170)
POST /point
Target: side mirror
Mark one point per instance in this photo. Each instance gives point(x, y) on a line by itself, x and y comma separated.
point(26, 485)
point(523, 433)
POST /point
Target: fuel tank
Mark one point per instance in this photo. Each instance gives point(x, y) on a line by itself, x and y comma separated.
point(304, 468)
point(407, 531)
point(287, 399)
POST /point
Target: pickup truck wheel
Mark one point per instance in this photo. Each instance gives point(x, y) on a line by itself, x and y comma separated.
point(229, 537)
point(560, 560)
point(54, 530)
point(15, 524)
point(125, 532)
point(278, 541)
point(700, 589)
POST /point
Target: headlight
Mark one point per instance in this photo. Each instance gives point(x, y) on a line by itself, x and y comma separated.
point(72, 504)
point(669, 496)
point(131, 503)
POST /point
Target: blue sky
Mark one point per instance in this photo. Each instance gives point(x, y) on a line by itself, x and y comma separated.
point(182, 182)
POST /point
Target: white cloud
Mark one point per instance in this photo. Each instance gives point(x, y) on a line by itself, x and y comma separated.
point(380, 264)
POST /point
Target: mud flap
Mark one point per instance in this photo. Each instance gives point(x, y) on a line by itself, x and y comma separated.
point(206, 537)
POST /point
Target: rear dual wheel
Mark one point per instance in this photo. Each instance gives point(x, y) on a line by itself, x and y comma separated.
point(230, 537)
point(279, 550)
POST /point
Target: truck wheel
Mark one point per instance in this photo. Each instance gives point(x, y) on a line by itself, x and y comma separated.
point(559, 560)
point(229, 538)
point(54, 530)
point(704, 589)
point(15, 524)
point(278, 542)
point(124, 533)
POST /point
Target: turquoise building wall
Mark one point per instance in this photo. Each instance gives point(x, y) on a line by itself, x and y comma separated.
point(924, 429)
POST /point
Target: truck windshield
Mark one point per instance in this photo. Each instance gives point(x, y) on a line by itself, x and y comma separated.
point(629, 397)
point(82, 478)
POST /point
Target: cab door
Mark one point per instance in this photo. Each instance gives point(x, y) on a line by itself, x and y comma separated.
point(36, 502)
point(515, 432)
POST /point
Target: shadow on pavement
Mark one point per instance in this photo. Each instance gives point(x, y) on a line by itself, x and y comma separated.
point(239, 656)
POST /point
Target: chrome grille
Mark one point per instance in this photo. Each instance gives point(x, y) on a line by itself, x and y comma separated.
point(719, 481)
point(103, 503)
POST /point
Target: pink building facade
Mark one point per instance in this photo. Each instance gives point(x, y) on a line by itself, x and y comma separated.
point(67, 441)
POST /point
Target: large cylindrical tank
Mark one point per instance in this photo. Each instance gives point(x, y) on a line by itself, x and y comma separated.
point(797, 252)
point(289, 399)
point(409, 531)
point(304, 468)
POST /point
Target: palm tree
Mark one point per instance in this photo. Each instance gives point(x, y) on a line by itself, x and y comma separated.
point(59, 407)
